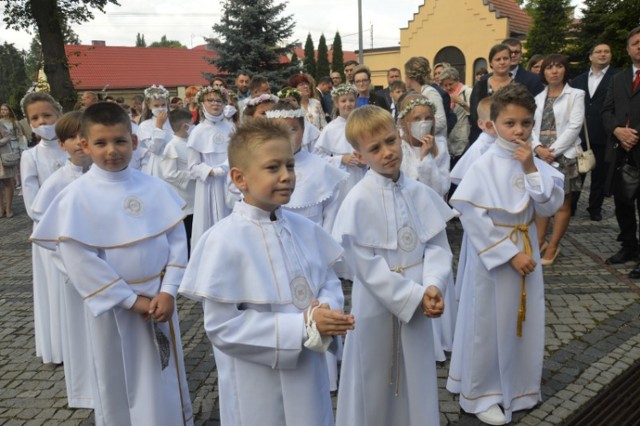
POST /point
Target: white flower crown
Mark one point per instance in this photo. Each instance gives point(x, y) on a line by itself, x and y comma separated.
point(156, 92)
point(285, 113)
point(209, 89)
point(414, 103)
point(265, 97)
point(343, 89)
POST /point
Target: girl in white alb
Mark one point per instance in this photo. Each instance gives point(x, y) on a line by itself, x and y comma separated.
point(154, 131)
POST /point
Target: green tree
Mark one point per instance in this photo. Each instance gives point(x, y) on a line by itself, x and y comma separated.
point(309, 56)
point(48, 17)
point(140, 41)
point(606, 21)
point(13, 78)
point(174, 44)
point(550, 29)
point(252, 38)
point(34, 57)
point(337, 59)
point(322, 63)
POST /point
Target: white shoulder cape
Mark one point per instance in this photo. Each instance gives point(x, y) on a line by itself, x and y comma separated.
point(316, 181)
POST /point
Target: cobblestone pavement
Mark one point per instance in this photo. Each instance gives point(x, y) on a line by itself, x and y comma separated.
point(592, 333)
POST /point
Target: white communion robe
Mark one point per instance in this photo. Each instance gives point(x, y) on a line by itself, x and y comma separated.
point(113, 254)
point(207, 151)
point(151, 144)
point(36, 165)
point(254, 288)
point(490, 364)
point(76, 351)
point(432, 171)
point(174, 169)
point(332, 145)
point(388, 374)
point(317, 197)
point(309, 136)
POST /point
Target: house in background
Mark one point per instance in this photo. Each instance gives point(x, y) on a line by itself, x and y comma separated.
point(460, 32)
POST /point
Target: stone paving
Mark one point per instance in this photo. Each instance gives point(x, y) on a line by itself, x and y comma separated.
point(592, 334)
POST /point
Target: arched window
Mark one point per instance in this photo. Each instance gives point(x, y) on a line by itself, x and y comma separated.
point(479, 63)
point(455, 57)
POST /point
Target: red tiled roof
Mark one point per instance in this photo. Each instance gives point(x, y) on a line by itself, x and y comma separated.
point(346, 55)
point(519, 20)
point(94, 67)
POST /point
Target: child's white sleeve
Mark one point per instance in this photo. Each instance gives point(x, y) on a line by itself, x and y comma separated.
point(157, 142)
point(400, 296)
point(274, 339)
point(170, 171)
point(438, 261)
point(177, 262)
point(30, 181)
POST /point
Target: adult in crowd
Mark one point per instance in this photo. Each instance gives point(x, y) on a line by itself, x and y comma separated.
point(242, 85)
point(480, 73)
point(10, 134)
point(417, 72)
point(558, 120)
point(460, 94)
point(313, 111)
point(259, 85)
point(535, 62)
point(500, 63)
point(595, 83)
point(437, 69)
point(87, 99)
point(349, 68)
point(336, 78)
point(362, 81)
point(520, 75)
point(621, 117)
point(324, 88)
point(393, 74)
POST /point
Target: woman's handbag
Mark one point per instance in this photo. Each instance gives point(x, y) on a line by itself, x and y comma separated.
point(10, 159)
point(628, 183)
point(586, 159)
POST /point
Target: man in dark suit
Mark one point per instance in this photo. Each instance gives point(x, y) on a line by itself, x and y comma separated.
point(595, 83)
point(393, 74)
point(324, 87)
point(362, 82)
point(621, 118)
point(520, 75)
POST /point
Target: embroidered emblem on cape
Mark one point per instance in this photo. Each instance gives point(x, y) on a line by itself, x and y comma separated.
point(162, 345)
point(218, 139)
point(301, 292)
point(132, 205)
point(407, 238)
point(518, 183)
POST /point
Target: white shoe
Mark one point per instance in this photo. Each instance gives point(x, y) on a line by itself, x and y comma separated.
point(492, 416)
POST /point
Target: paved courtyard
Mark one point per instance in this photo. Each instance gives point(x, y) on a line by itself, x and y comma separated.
point(592, 333)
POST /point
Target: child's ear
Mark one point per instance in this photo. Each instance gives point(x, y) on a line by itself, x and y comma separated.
point(237, 177)
point(134, 142)
point(85, 145)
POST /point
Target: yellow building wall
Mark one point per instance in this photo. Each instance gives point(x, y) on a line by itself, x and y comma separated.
point(468, 25)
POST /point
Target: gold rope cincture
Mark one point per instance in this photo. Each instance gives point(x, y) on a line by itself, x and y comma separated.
point(528, 250)
point(396, 333)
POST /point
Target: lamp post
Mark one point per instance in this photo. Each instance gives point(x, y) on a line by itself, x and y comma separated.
point(360, 55)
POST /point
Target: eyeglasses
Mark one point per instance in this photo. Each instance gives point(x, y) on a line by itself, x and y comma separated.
point(363, 81)
point(214, 101)
point(515, 52)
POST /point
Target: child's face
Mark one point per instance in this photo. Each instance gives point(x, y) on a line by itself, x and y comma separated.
point(297, 132)
point(514, 122)
point(110, 147)
point(73, 147)
point(419, 114)
point(396, 93)
point(268, 179)
point(213, 103)
point(346, 104)
point(261, 109)
point(382, 152)
point(157, 103)
point(41, 112)
point(4, 111)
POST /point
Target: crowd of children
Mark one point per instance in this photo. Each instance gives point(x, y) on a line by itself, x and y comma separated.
point(261, 216)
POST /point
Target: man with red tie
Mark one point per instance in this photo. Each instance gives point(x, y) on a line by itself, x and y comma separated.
point(621, 119)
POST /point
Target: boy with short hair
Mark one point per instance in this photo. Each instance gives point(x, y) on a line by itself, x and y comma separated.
point(117, 231)
point(499, 344)
point(396, 90)
point(271, 276)
point(174, 167)
point(401, 261)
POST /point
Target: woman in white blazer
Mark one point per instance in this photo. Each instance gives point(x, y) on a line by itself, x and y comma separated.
point(558, 120)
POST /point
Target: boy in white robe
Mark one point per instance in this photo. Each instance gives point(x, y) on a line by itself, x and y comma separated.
point(120, 235)
point(393, 231)
point(76, 352)
point(260, 274)
point(496, 364)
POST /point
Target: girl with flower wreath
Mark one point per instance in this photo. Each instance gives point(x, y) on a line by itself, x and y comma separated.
point(425, 154)
point(311, 131)
point(207, 161)
point(332, 143)
point(154, 131)
point(258, 106)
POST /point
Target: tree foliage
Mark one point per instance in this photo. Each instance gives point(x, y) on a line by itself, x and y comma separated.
point(550, 29)
point(13, 79)
point(173, 44)
point(48, 17)
point(34, 57)
point(606, 21)
point(322, 63)
point(252, 38)
point(309, 56)
point(140, 41)
point(337, 60)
